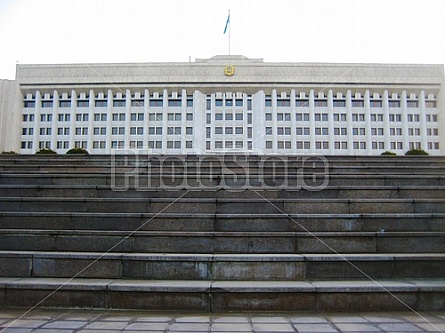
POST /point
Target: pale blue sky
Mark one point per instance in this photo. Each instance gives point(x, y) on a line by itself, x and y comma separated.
point(77, 31)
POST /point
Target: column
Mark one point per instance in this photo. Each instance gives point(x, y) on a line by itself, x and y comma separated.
point(349, 122)
point(36, 136)
point(404, 108)
point(331, 122)
point(386, 123)
point(368, 123)
point(312, 120)
point(422, 116)
point(258, 122)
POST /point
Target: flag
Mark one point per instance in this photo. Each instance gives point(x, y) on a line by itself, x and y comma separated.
point(227, 23)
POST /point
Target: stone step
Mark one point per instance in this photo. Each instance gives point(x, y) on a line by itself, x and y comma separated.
point(221, 242)
point(341, 192)
point(223, 222)
point(257, 267)
point(208, 296)
point(221, 206)
point(313, 182)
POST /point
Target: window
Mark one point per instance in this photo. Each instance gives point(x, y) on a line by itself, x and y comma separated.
point(249, 132)
point(430, 104)
point(249, 118)
point(302, 116)
point(218, 130)
point(376, 104)
point(119, 103)
point(268, 144)
point(83, 104)
point(218, 144)
point(208, 104)
point(358, 103)
point(302, 103)
point(268, 116)
point(174, 130)
point(29, 104)
point(239, 102)
point(101, 103)
point(189, 117)
point(229, 116)
point(65, 104)
point(137, 103)
point(268, 103)
point(238, 116)
point(229, 130)
point(283, 145)
point(268, 130)
point(339, 103)
point(189, 130)
point(283, 102)
point(238, 130)
point(228, 144)
point(218, 102)
point(229, 102)
point(412, 104)
point(47, 104)
point(249, 105)
point(321, 103)
point(394, 104)
point(156, 103)
point(218, 116)
point(189, 105)
point(173, 144)
point(189, 144)
point(174, 102)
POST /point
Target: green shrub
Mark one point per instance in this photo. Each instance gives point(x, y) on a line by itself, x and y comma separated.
point(12, 152)
point(80, 151)
point(388, 153)
point(416, 152)
point(46, 151)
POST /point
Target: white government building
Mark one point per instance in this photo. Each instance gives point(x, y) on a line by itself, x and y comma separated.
point(226, 103)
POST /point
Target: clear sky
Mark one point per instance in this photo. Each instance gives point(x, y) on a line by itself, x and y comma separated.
point(78, 31)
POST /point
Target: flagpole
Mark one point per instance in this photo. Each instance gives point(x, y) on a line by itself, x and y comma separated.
point(230, 29)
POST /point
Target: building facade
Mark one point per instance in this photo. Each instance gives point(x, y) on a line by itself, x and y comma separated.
point(224, 104)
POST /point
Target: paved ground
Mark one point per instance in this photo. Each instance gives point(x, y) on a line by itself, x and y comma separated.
point(70, 321)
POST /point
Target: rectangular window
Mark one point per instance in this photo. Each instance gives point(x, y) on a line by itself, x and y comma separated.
point(394, 104)
point(249, 119)
point(249, 105)
point(320, 103)
point(208, 104)
point(239, 102)
point(376, 104)
point(268, 116)
point(156, 103)
point(238, 130)
point(229, 102)
point(238, 116)
point(268, 103)
point(189, 117)
point(138, 103)
point(189, 130)
point(189, 105)
point(218, 102)
point(268, 130)
point(101, 104)
point(29, 104)
point(218, 116)
point(283, 103)
point(430, 104)
point(174, 102)
point(65, 104)
point(229, 130)
point(413, 104)
point(208, 118)
point(47, 104)
point(119, 103)
point(229, 116)
point(358, 103)
point(339, 103)
point(299, 103)
point(83, 104)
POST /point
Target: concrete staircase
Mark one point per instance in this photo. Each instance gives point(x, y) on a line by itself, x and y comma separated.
point(223, 233)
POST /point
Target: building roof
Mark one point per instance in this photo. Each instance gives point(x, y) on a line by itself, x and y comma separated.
point(249, 73)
